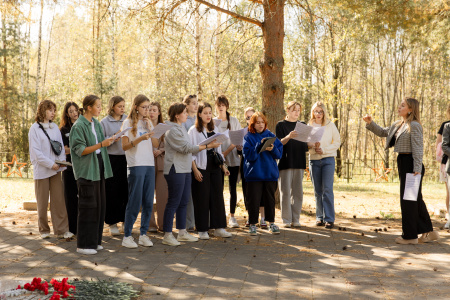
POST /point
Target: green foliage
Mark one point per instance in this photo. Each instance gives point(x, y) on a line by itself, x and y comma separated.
point(103, 290)
point(387, 216)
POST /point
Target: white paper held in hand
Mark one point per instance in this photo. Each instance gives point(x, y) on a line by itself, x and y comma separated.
point(219, 137)
point(160, 129)
point(308, 134)
point(412, 185)
point(122, 132)
point(237, 136)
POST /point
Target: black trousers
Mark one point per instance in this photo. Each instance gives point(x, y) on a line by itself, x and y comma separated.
point(415, 217)
point(209, 206)
point(71, 198)
point(91, 210)
point(232, 183)
point(258, 191)
point(116, 190)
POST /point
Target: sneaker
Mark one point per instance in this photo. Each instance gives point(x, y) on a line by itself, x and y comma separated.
point(45, 235)
point(99, 247)
point(170, 240)
point(203, 235)
point(221, 232)
point(447, 225)
point(273, 229)
point(66, 235)
point(297, 224)
point(153, 229)
point(247, 223)
point(263, 224)
point(402, 241)
point(429, 237)
point(186, 238)
point(113, 230)
point(287, 225)
point(233, 223)
point(252, 230)
point(320, 223)
point(145, 241)
point(329, 225)
point(86, 251)
point(128, 242)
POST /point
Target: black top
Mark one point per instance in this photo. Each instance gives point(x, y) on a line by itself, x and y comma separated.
point(294, 152)
point(65, 137)
point(441, 130)
point(210, 134)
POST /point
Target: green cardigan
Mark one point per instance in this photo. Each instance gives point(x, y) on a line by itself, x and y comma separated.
point(80, 137)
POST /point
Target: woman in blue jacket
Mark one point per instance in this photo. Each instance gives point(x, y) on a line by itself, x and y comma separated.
point(261, 172)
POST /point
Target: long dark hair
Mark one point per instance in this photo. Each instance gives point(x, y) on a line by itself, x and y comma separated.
point(199, 122)
point(222, 99)
point(65, 119)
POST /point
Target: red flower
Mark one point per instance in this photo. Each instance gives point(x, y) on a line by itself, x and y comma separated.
point(46, 291)
point(19, 287)
point(65, 294)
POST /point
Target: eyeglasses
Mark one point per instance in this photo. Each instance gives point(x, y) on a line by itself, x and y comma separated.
point(318, 112)
point(145, 107)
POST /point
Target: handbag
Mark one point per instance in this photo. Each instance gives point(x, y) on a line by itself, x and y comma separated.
point(218, 160)
point(55, 145)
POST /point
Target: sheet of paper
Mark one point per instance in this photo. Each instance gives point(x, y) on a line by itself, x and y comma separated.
point(63, 163)
point(122, 132)
point(160, 129)
point(217, 122)
point(237, 136)
point(412, 185)
point(308, 134)
point(219, 137)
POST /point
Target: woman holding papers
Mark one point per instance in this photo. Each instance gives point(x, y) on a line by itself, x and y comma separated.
point(406, 137)
point(47, 173)
point(116, 186)
point(207, 188)
point(161, 190)
point(177, 171)
point(91, 167)
point(322, 165)
point(292, 165)
point(229, 152)
point(69, 116)
point(261, 171)
point(138, 146)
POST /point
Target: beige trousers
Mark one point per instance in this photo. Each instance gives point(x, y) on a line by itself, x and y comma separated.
point(162, 193)
point(52, 186)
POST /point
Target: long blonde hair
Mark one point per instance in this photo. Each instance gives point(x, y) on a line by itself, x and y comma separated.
point(325, 115)
point(133, 116)
point(291, 105)
point(414, 115)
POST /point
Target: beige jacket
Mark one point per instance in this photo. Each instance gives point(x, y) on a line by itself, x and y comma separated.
point(330, 142)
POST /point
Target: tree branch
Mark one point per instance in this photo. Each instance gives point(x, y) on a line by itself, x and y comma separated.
point(256, 1)
point(230, 13)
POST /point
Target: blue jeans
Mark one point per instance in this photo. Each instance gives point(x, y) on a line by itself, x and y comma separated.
point(322, 176)
point(141, 188)
point(179, 193)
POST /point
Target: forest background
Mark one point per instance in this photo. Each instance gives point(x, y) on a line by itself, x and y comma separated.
point(357, 56)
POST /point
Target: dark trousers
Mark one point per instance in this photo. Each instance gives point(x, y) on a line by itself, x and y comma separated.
point(116, 190)
point(258, 191)
point(415, 217)
point(232, 183)
point(209, 206)
point(179, 185)
point(91, 210)
point(71, 198)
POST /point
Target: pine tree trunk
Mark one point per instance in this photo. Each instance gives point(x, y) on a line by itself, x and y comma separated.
point(38, 72)
point(217, 58)
point(198, 75)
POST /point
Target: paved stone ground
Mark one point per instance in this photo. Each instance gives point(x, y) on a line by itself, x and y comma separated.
point(310, 263)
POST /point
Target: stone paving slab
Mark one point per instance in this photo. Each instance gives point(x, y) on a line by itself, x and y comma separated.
point(306, 263)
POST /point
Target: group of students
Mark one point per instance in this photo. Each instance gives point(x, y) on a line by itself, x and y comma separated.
point(111, 179)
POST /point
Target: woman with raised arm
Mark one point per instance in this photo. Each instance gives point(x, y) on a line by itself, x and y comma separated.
point(91, 167)
point(207, 189)
point(406, 137)
point(177, 171)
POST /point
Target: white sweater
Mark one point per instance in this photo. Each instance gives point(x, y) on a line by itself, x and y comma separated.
point(330, 142)
point(201, 157)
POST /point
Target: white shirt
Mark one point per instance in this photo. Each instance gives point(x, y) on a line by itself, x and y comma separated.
point(233, 159)
point(201, 157)
point(142, 153)
point(41, 154)
point(96, 139)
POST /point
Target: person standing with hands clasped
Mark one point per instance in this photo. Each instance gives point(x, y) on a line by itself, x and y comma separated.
point(406, 137)
point(91, 167)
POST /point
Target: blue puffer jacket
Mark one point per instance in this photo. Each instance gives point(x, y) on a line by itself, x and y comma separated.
point(263, 166)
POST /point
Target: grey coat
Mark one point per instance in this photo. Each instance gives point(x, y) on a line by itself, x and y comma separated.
point(446, 144)
point(408, 141)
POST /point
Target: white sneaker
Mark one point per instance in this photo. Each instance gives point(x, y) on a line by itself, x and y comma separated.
point(113, 230)
point(170, 240)
point(203, 235)
point(222, 233)
point(45, 235)
point(233, 223)
point(447, 225)
point(153, 229)
point(86, 251)
point(287, 225)
point(297, 224)
point(129, 242)
point(99, 247)
point(186, 238)
point(145, 241)
point(66, 235)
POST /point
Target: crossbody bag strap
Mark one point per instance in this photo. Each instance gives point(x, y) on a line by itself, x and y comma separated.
point(45, 132)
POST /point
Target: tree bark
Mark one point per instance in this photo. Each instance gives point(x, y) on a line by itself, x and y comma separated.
point(198, 33)
point(38, 72)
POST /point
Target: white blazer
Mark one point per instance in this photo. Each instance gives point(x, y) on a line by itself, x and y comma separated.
point(196, 138)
